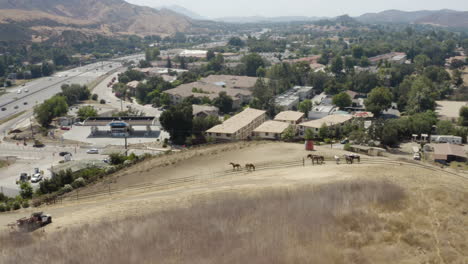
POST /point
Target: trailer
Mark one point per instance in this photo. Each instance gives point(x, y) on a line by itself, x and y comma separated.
point(35, 221)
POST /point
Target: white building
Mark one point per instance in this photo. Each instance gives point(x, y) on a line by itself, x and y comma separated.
point(238, 127)
point(446, 139)
point(271, 130)
point(330, 121)
point(290, 99)
point(290, 117)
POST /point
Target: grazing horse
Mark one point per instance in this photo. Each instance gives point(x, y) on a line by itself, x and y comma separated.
point(349, 159)
point(337, 159)
point(250, 167)
point(318, 159)
point(235, 166)
point(356, 156)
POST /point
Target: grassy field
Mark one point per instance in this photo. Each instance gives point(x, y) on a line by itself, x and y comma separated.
point(356, 221)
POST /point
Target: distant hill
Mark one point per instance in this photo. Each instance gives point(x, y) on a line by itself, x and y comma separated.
point(184, 11)
point(45, 19)
point(261, 19)
point(444, 18)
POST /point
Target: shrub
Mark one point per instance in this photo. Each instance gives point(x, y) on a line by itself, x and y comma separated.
point(7, 207)
point(327, 141)
point(25, 204)
point(16, 205)
point(80, 182)
point(117, 158)
point(347, 147)
point(102, 101)
point(37, 203)
point(67, 188)
point(2, 208)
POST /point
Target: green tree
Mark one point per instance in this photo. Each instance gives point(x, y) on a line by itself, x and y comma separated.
point(337, 65)
point(309, 134)
point(324, 132)
point(305, 106)
point(349, 64)
point(168, 63)
point(358, 52)
point(177, 121)
point(47, 69)
point(289, 134)
point(463, 119)
point(421, 61)
point(421, 96)
point(223, 102)
point(445, 127)
point(379, 99)
point(457, 78)
point(86, 112)
point(210, 55)
point(252, 62)
point(50, 109)
point(26, 191)
point(236, 41)
point(342, 100)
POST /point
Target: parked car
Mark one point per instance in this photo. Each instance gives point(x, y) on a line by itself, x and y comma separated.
point(344, 141)
point(417, 156)
point(93, 151)
point(65, 128)
point(38, 144)
point(36, 178)
point(64, 153)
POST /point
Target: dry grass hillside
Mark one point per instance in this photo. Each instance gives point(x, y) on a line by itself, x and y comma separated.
point(362, 213)
point(49, 18)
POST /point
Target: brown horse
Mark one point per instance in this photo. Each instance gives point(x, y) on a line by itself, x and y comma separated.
point(349, 159)
point(318, 159)
point(250, 167)
point(357, 157)
point(235, 166)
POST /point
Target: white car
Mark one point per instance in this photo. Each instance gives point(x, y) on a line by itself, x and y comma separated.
point(37, 177)
point(93, 151)
point(417, 156)
point(19, 91)
point(26, 90)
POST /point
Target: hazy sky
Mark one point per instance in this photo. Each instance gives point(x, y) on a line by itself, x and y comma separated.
point(223, 8)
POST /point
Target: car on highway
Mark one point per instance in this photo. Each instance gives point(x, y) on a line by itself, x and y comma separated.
point(93, 151)
point(25, 103)
point(3, 108)
point(16, 107)
point(37, 177)
point(26, 90)
point(64, 153)
point(19, 91)
point(65, 128)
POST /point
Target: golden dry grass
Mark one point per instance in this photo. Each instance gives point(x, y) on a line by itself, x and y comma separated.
point(353, 221)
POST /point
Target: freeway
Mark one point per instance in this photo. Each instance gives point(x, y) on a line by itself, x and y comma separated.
point(35, 92)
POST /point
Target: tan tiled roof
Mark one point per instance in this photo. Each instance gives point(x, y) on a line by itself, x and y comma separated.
point(289, 116)
point(272, 127)
point(329, 120)
point(237, 122)
point(441, 151)
point(133, 84)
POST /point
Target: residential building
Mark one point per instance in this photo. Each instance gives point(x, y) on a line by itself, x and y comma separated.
point(290, 117)
point(446, 139)
point(330, 121)
point(271, 130)
point(238, 87)
point(193, 53)
point(238, 127)
point(392, 57)
point(447, 152)
point(132, 87)
point(321, 111)
point(204, 110)
point(290, 99)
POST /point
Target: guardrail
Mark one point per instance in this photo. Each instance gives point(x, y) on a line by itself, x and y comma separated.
point(172, 183)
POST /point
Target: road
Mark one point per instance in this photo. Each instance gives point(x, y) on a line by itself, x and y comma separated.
point(35, 92)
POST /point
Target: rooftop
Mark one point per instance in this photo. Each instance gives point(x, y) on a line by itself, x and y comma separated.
point(202, 108)
point(289, 116)
point(272, 127)
point(329, 120)
point(237, 122)
point(212, 85)
point(133, 84)
point(441, 151)
point(131, 120)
